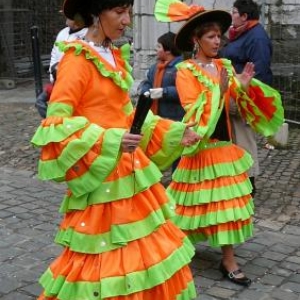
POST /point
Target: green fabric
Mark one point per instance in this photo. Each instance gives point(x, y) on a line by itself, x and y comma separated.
point(101, 166)
point(170, 148)
point(263, 93)
point(119, 235)
point(211, 195)
point(222, 238)
point(233, 168)
point(124, 84)
point(75, 150)
point(161, 10)
point(214, 218)
point(121, 188)
point(58, 132)
point(59, 109)
point(119, 285)
point(194, 112)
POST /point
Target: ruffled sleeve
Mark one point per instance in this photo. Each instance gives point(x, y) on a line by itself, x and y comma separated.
point(76, 151)
point(161, 140)
point(261, 107)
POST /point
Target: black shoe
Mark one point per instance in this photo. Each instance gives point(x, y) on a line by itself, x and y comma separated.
point(245, 281)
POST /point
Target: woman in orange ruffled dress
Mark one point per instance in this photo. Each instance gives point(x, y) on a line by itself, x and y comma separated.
point(210, 185)
point(119, 242)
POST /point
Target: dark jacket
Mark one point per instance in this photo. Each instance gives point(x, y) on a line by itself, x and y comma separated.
point(169, 106)
point(254, 46)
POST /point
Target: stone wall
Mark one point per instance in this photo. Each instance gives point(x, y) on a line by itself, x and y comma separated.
point(280, 18)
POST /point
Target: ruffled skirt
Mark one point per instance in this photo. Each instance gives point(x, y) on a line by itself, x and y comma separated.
point(212, 193)
point(122, 250)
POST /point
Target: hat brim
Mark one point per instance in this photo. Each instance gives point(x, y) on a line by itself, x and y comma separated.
point(183, 39)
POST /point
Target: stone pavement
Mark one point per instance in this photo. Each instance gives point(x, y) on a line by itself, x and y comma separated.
point(29, 218)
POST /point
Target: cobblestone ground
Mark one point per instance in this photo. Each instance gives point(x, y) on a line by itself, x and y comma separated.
point(27, 225)
point(18, 122)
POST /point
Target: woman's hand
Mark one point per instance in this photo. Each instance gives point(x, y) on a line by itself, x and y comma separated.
point(130, 142)
point(224, 81)
point(246, 76)
point(190, 137)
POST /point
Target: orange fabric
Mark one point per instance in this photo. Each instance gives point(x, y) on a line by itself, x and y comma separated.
point(83, 165)
point(117, 212)
point(186, 81)
point(230, 226)
point(155, 144)
point(140, 255)
point(158, 77)
point(269, 110)
point(168, 290)
point(181, 11)
point(102, 101)
point(212, 156)
point(209, 184)
point(193, 211)
point(53, 150)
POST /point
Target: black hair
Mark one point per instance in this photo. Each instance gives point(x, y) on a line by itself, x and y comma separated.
point(249, 7)
point(167, 40)
point(95, 7)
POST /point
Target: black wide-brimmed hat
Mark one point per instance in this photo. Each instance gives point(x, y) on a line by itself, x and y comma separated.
point(183, 39)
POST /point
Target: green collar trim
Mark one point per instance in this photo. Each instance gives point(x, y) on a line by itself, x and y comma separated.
point(79, 48)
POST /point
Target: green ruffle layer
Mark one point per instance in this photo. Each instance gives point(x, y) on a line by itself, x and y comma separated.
point(237, 167)
point(264, 126)
point(222, 238)
point(100, 168)
point(121, 285)
point(170, 145)
point(121, 188)
point(210, 195)
point(119, 235)
point(214, 218)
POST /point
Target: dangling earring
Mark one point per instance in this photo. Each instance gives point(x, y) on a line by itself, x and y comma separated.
point(96, 26)
point(195, 50)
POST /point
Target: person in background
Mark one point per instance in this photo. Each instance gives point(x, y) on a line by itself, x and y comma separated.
point(248, 42)
point(74, 30)
point(119, 242)
point(210, 185)
point(162, 76)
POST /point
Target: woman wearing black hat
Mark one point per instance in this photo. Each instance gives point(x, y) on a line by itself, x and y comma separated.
point(210, 185)
point(119, 243)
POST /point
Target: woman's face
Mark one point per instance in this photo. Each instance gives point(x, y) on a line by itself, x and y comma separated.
point(114, 21)
point(209, 43)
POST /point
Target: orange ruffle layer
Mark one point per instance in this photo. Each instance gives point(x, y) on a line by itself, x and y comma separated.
point(204, 209)
point(168, 290)
point(138, 255)
point(123, 211)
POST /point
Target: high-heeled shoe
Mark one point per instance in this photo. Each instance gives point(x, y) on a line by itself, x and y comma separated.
point(245, 281)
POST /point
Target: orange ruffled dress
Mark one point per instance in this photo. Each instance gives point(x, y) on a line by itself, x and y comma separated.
point(211, 185)
point(119, 242)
